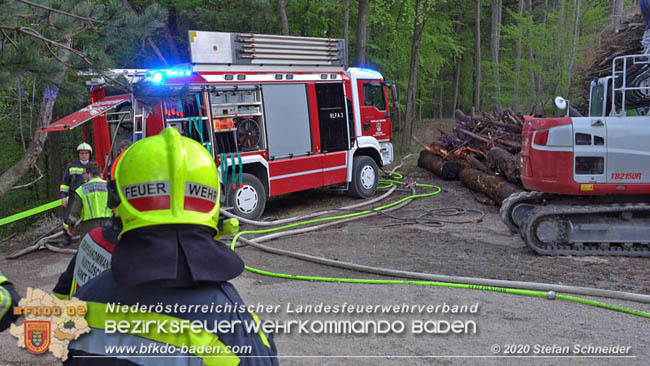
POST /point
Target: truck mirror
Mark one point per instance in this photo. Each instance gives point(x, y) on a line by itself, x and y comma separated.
point(393, 93)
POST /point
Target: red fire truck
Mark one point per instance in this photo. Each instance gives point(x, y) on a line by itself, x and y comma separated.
point(279, 114)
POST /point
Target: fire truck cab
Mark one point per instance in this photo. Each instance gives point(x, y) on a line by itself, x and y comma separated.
point(279, 114)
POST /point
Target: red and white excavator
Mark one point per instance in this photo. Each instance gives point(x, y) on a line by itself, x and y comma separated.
point(589, 177)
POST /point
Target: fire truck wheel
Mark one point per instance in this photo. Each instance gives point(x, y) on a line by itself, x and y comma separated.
point(364, 177)
point(248, 199)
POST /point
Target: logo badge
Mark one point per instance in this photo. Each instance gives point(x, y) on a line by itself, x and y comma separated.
point(37, 335)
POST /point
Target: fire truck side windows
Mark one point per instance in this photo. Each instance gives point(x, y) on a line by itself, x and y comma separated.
point(373, 95)
point(332, 117)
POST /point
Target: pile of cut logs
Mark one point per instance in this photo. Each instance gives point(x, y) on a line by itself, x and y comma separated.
point(483, 152)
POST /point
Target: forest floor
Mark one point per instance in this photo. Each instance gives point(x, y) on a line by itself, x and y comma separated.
point(483, 249)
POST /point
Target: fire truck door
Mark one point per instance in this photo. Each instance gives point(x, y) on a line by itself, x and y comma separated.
point(334, 131)
point(628, 149)
point(375, 117)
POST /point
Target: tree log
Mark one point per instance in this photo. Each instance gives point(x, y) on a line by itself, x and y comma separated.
point(447, 170)
point(504, 162)
point(496, 188)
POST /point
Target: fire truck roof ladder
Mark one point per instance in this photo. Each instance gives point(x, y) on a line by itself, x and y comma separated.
point(247, 49)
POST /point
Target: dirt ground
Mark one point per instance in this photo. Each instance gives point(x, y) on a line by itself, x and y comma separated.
point(483, 249)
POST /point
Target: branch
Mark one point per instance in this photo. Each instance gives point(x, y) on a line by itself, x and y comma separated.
point(9, 39)
point(35, 34)
point(40, 176)
point(90, 20)
point(56, 56)
point(156, 50)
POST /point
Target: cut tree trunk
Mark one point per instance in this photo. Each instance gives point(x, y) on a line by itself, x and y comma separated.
point(504, 162)
point(496, 188)
point(447, 170)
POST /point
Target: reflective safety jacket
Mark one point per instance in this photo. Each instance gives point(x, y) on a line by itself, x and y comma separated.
point(73, 177)
point(94, 197)
point(8, 299)
point(167, 308)
point(92, 258)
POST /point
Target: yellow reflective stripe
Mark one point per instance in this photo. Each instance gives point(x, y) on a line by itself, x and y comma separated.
point(97, 317)
point(5, 301)
point(73, 287)
point(64, 188)
point(259, 330)
point(61, 296)
point(3, 279)
point(73, 169)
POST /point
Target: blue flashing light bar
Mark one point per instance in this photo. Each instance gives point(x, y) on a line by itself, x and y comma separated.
point(366, 69)
point(159, 76)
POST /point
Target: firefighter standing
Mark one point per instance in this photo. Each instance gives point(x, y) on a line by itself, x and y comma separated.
point(8, 299)
point(72, 179)
point(166, 192)
point(89, 204)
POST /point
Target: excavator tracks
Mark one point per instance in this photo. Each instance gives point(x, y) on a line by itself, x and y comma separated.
point(516, 200)
point(592, 229)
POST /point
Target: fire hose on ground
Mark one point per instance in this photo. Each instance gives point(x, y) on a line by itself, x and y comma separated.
point(549, 291)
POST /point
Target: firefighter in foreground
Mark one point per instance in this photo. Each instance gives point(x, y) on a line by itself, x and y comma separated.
point(72, 179)
point(166, 193)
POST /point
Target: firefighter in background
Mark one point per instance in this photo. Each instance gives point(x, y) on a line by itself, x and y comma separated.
point(72, 179)
point(8, 299)
point(124, 144)
point(89, 204)
point(166, 193)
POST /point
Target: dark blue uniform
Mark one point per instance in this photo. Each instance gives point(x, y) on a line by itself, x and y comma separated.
point(178, 265)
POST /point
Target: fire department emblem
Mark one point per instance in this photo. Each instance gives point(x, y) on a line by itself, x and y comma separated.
point(37, 335)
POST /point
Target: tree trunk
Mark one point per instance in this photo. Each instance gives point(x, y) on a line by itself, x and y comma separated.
point(346, 28)
point(515, 101)
point(447, 170)
point(283, 18)
point(459, 60)
point(495, 38)
point(171, 31)
point(573, 51)
point(362, 34)
point(418, 28)
point(477, 59)
point(13, 175)
point(617, 12)
point(535, 79)
point(494, 187)
point(440, 91)
point(505, 162)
